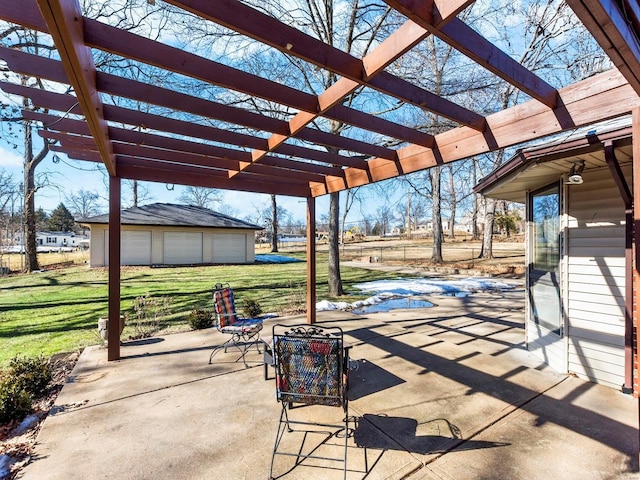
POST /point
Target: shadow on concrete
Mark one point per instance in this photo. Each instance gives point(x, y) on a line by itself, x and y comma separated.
point(400, 433)
point(370, 378)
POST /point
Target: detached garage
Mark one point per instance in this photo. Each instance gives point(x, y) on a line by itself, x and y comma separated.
point(167, 234)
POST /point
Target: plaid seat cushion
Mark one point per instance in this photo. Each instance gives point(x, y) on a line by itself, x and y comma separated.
point(248, 325)
point(225, 307)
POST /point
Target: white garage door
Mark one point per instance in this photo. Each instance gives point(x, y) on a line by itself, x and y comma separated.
point(135, 247)
point(182, 248)
point(229, 248)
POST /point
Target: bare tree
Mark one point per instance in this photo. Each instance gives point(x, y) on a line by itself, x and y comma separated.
point(84, 204)
point(554, 42)
point(200, 197)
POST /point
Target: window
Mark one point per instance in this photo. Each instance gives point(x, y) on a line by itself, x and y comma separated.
point(545, 213)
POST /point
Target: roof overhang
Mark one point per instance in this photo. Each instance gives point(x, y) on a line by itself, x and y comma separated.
point(537, 166)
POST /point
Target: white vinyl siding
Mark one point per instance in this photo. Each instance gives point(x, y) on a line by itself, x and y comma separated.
point(229, 248)
point(596, 280)
point(182, 248)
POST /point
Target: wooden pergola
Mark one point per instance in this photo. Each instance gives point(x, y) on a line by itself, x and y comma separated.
point(292, 157)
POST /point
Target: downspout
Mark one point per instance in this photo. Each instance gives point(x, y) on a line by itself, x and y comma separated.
point(627, 198)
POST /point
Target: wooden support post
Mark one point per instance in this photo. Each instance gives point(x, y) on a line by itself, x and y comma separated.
point(113, 332)
point(636, 240)
point(627, 198)
point(311, 260)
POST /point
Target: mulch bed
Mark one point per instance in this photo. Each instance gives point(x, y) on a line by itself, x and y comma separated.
point(18, 439)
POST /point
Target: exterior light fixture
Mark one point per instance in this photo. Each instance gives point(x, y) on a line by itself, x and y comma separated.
point(575, 174)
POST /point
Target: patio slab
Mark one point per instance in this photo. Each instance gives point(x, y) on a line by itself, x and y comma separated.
point(440, 393)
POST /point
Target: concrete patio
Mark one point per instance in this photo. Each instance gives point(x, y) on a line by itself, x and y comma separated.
point(447, 392)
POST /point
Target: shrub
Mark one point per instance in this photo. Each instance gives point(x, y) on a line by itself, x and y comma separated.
point(148, 314)
point(200, 318)
point(31, 374)
point(15, 401)
point(251, 308)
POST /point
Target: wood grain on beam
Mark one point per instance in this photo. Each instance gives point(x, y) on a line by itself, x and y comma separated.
point(64, 22)
point(25, 12)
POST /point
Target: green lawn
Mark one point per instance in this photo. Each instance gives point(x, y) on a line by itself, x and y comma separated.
point(57, 311)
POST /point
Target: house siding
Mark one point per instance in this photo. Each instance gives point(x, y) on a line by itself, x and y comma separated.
point(596, 279)
point(240, 250)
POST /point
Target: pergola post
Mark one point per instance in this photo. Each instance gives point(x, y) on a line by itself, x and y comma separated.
point(636, 234)
point(311, 260)
point(113, 331)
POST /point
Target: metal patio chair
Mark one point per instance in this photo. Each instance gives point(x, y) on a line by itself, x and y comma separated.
point(245, 332)
point(311, 369)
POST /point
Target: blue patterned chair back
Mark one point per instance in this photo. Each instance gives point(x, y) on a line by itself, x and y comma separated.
point(310, 367)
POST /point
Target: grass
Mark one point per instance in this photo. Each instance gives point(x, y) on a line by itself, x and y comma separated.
point(57, 310)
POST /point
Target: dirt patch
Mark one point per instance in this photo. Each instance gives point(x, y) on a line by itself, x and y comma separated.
point(17, 439)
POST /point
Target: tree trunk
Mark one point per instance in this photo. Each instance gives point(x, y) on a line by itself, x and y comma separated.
point(436, 215)
point(29, 209)
point(487, 239)
point(274, 224)
point(29, 191)
point(344, 216)
point(335, 281)
point(454, 204)
point(134, 189)
point(475, 235)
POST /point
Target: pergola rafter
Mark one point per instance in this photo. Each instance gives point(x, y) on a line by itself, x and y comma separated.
point(294, 148)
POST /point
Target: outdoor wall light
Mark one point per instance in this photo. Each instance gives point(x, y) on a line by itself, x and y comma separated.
point(575, 174)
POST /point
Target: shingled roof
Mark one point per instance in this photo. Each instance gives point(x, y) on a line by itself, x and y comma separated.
point(167, 214)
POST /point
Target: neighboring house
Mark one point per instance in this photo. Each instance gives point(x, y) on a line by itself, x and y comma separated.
point(578, 197)
point(58, 241)
point(166, 234)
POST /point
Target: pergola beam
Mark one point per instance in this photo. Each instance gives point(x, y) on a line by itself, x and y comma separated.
point(64, 22)
point(34, 65)
point(144, 145)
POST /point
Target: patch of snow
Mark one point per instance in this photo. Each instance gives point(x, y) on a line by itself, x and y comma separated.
point(425, 286)
point(5, 465)
point(26, 424)
point(383, 290)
